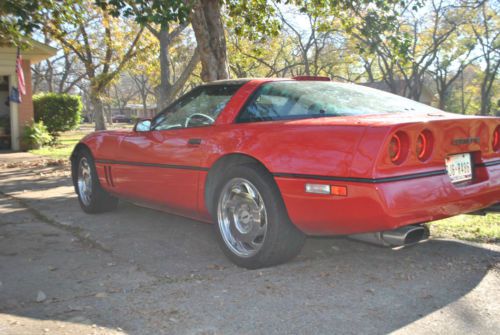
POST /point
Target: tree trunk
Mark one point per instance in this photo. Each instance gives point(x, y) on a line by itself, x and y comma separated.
point(486, 87)
point(442, 100)
point(100, 124)
point(485, 102)
point(145, 112)
point(169, 86)
point(108, 113)
point(207, 25)
point(163, 89)
point(443, 95)
point(369, 72)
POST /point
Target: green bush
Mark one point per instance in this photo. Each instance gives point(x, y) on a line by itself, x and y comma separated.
point(36, 135)
point(134, 119)
point(59, 112)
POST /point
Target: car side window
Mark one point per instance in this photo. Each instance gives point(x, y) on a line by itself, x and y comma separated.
point(264, 107)
point(294, 100)
point(198, 108)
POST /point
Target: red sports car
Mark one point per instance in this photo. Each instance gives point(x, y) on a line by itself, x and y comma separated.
point(270, 161)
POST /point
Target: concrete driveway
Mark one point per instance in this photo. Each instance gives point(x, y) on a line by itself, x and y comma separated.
point(138, 271)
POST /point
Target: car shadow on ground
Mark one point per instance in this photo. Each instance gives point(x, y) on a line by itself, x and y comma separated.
point(149, 272)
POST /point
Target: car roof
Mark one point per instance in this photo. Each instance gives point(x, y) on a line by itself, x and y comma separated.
point(239, 81)
point(242, 81)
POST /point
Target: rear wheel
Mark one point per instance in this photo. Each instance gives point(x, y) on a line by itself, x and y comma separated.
point(91, 196)
point(253, 227)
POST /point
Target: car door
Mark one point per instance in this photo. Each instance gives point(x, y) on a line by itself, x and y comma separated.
point(162, 166)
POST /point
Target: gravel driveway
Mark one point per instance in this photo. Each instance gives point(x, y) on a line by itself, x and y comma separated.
point(138, 271)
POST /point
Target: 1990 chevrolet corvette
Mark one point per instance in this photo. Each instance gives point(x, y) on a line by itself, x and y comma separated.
point(273, 160)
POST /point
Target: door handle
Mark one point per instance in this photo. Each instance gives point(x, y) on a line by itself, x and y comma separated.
point(194, 141)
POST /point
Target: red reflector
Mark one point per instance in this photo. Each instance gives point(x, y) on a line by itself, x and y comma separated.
point(339, 190)
point(425, 143)
point(421, 146)
point(398, 147)
point(395, 148)
point(496, 139)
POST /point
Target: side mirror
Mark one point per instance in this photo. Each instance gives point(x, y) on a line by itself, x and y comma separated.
point(142, 125)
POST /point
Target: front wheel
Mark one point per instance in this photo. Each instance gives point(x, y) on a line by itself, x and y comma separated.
point(91, 196)
point(253, 227)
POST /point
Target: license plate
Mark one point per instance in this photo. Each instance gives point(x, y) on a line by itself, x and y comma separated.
point(459, 167)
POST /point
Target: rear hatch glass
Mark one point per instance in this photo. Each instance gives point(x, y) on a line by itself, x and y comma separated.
point(310, 99)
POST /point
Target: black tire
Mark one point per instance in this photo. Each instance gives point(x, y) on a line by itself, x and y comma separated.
point(282, 240)
point(99, 200)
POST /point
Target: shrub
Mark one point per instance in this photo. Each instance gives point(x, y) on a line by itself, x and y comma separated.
point(59, 112)
point(36, 135)
point(134, 119)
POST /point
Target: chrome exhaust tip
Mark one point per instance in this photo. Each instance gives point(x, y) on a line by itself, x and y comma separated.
point(400, 237)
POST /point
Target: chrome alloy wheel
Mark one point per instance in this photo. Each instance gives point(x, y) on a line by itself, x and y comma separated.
point(242, 217)
point(84, 181)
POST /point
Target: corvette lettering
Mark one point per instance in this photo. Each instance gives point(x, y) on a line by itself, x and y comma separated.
point(468, 140)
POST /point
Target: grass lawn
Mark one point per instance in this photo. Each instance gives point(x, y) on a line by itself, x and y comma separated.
point(465, 227)
point(63, 149)
point(69, 139)
point(469, 227)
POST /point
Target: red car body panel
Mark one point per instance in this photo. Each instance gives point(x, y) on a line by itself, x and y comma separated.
point(162, 169)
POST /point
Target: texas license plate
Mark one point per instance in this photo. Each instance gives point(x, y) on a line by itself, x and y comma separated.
point(459, 167)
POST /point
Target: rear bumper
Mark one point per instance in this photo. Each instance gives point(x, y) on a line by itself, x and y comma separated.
point(385, 206)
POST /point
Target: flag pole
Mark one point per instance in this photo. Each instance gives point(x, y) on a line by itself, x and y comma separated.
point(21, 84)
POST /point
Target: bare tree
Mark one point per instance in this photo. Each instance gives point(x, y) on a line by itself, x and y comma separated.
point(171, 85)
point(428, 33)
point(143, 88)
point(278, 62)
point(449, 68)
point(487, 31)
point(57, 74)
point(123, 92)
point(90, 39)
point(312, 41)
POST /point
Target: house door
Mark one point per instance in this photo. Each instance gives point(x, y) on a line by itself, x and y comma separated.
point(5, 140)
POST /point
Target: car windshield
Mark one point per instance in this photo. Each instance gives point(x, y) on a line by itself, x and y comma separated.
point(308, 99)
point(199, 107)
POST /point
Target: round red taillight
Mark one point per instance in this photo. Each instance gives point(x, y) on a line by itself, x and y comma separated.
point(398, 147)
point(424, 145)
point(395, 148)
point(496, 139)
point(421, 145)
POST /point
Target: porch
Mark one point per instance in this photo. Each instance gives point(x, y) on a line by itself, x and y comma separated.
point(15, 116)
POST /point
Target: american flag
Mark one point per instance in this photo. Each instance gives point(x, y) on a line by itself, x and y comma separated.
point(20, 76)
